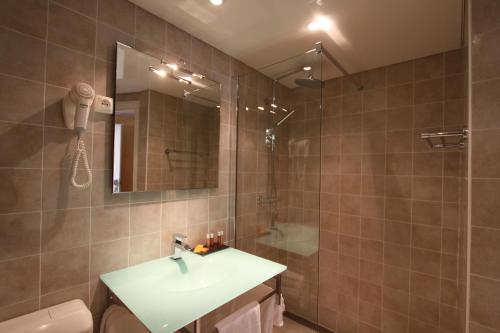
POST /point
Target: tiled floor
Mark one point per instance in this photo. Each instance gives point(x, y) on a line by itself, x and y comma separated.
point(291, 326)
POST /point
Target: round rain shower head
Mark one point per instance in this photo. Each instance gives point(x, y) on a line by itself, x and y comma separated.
point(309, 83)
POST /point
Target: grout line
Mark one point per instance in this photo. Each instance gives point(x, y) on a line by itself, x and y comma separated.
point(43, 154)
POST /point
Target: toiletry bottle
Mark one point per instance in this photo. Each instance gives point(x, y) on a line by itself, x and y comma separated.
point(219, 238)
point(211, 241)
point(208, 243)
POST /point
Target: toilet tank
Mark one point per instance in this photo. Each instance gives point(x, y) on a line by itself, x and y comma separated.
point(69, 317)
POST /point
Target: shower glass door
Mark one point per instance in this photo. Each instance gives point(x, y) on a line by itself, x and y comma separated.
point(278, 176)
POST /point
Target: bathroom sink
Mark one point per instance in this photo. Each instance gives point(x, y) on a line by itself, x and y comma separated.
point(167, 294)
point(194, 274)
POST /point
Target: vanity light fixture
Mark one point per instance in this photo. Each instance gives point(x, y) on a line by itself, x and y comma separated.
point(274, 105)
point(216, 2)
point(307, 68)
point(320, 23)
point(260, 108)
point(159, 72)
point(246, 108)
point(272, 111)
point(183, 80)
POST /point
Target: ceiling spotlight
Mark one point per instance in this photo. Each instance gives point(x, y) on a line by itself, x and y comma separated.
point(320, 23)
point(159, 72)
point(216, 2)
point(307, 68)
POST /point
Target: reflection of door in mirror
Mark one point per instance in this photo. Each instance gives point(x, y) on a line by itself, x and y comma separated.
point(127, 116)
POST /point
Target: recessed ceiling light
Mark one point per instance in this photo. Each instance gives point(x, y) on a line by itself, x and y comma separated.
point(320, 23)
point(216, 2)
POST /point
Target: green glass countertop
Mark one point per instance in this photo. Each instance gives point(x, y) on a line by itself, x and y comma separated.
point(166, 295)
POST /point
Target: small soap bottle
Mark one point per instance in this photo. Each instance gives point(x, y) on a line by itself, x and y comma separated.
point(220, 238)
point(211, 243)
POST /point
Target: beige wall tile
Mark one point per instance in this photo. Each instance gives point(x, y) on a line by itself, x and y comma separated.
point(107, 257)
point(485, 252)
point(109, 223)
point(19, 235)
point(145, 218)
point(65, 67)
point(118, 13)
point(20, 190)
point(430, 67)
point(57, 192)
point(63, 269)
point(23, 56)
point(18, 309)
point(64, 229)
point(70, 29)
point(20, 280)
point(78, 292)
point(144, 248)
point(29, 17)
point(21, 100)
point(484, 302)
point(27, 152)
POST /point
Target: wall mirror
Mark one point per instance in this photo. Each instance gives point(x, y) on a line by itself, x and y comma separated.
point(166, 134)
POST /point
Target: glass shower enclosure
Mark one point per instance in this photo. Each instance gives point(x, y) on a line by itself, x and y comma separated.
point(278, 164)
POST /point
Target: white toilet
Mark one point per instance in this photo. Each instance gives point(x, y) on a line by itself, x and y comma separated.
point(73, 317)
point(69, 317)
point(117, 319)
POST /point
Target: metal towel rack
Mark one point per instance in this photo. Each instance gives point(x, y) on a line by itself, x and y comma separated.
point(189, 152)
point(443, 139)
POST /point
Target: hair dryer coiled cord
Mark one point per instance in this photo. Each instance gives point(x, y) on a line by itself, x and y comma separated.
point(81, 153)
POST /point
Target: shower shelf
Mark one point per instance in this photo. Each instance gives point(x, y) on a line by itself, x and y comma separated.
point(440, 140)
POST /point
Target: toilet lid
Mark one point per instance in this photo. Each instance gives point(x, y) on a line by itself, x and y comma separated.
point(117, 319)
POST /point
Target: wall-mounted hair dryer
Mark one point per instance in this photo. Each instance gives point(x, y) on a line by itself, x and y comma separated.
point(76, 109)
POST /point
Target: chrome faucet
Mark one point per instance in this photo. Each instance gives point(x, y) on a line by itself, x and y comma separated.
point(178, 246)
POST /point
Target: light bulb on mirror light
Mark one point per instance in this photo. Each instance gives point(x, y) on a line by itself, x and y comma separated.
point(274, 105)
point(159, 72)
point(307, 68)
point(173, 66)
point(320, 23)
point(260, 108)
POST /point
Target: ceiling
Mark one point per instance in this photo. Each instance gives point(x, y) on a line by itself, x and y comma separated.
point(365, 34)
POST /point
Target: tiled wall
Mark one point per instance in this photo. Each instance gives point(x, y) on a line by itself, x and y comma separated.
point(56, 240)
point(484, 44)
point(390, 205)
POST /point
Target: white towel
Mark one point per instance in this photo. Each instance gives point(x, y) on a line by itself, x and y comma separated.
point(245, 320)
point(267, 310)
point(278, 312)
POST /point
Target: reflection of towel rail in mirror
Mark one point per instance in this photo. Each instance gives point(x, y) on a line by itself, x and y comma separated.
point(178, 151)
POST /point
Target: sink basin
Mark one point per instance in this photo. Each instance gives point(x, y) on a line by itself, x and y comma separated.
point(193, 274)
point(167, 294)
